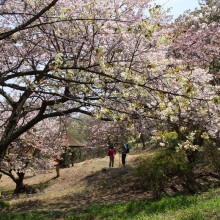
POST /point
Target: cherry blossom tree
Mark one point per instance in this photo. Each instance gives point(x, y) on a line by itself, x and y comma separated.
point(182, 96)
point(187, 126)
point(196, 37)
point(132, 131)
point(34, 151)
point(195, 44)
point(114, 60)
point(190, 123)
point(64, 57)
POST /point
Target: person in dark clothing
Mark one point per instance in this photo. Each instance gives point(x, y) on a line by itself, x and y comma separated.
point(111, 154)
point(73, 158)
point(125, 150)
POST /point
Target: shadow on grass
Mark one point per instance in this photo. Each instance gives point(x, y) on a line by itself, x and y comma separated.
point(109, 194)
point(33, 215)
point(43, 185)
point(112, 178)
point(106, 186)
point(9, 194)
point(100, 205)
point(127, 210)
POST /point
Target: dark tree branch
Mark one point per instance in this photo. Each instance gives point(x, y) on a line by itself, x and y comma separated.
point(23, 26)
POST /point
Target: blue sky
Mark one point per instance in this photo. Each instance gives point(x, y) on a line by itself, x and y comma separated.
point(179, 6)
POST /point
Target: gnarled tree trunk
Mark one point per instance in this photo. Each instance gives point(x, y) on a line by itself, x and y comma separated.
point(19, 183)
point(19, 180)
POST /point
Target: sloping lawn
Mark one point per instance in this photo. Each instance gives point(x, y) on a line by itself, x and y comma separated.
point(184, 207)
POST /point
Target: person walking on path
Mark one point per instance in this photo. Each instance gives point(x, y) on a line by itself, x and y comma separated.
point(125, 150)
point(111, 154)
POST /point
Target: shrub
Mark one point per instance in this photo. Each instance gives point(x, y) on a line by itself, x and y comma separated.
point(209, 156)
point(171, 139)
point(155, 172)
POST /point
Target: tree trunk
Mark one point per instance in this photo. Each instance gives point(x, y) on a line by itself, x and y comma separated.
point(19, 183)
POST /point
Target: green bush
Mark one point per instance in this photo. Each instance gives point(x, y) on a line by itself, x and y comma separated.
point(209, 156)
point(155, 172)
point(171, 138)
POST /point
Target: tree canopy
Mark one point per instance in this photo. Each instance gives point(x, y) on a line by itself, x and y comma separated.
point(62, 57)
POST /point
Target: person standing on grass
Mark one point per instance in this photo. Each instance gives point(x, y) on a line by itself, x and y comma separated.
point(125, 150)
point(57, 165)
point(73, 157)
point(111, 154)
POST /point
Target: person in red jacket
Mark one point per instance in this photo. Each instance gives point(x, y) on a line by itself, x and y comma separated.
point(111, 154)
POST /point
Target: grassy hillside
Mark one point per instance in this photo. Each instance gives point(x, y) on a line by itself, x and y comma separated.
point(90, 190)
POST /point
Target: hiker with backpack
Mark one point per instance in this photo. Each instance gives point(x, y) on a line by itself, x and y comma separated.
point(111, 154)
point(125, 150)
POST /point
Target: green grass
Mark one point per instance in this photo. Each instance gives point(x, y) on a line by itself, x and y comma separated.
point(4, 204)
point(184, 207)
